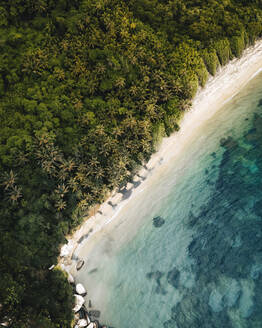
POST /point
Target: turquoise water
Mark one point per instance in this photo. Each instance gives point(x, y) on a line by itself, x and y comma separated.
point(196, 259)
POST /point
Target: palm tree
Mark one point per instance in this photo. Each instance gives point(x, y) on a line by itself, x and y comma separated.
point(9, 179)
point(59, 73)
point(73, 184)
point(93, 162)
point(71, 165)
point(130, 122)
point(55, 155)
point(22, 158)
point(96, 190)
point(60, 205)
point(61, 190)
point(145, 145)
point(100, 68)
point(64, 44)
point(67, 165)
point(99, 174)
point(151, 110)
point(134, 90)
point(107, 146)
point(48, 166)
point(44, 138)
point(100, 130)
point(167, 95)
point(79, 67)
point(117, 131)
point(78, 104)
point(82, 205)
point(62, 175)
point(15, 194)
point(132, 58)
point(80, 176)
point(120, 82)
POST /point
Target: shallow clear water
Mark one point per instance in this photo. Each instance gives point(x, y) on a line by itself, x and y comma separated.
point(196, 257)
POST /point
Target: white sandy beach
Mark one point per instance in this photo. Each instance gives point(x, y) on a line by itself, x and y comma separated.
point(219, 90)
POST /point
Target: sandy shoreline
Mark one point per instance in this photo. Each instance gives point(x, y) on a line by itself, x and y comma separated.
point(218, 91)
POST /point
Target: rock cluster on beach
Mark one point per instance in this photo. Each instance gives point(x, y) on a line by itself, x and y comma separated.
point(83, 317)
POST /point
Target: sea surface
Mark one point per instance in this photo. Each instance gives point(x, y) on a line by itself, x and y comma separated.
point(192, 256)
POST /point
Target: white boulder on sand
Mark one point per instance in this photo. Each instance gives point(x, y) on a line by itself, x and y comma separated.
point(51, 267)
point(71, 279)
point(80, 289)
point(79, 301)
point(66, 249)
point(82, 323)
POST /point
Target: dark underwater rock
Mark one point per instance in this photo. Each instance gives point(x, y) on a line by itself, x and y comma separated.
point(94, 313)
point(192, 220)
point(157, 275)
point(173, 277)
point(158, 221)
point(228, 143)
point(170, 324)
point(192, 312)
point(160, 290)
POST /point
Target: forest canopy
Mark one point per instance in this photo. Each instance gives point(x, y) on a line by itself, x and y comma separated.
point(87, 90)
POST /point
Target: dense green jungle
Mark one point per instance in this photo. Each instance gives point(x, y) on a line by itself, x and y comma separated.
point(87, 90)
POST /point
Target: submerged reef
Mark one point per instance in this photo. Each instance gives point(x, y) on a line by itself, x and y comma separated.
point(226, 248)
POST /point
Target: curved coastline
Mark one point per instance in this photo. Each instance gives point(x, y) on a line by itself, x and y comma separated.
point(220, 89)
